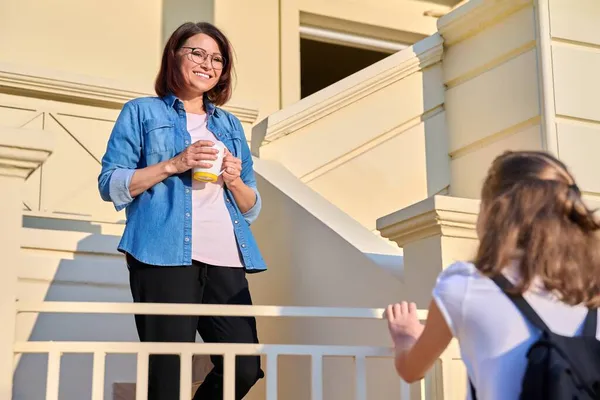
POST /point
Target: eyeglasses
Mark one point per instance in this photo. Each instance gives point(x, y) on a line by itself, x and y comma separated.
point(198, 55)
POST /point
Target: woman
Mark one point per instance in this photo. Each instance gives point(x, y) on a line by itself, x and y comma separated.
point(186, 241)
point(534, 230)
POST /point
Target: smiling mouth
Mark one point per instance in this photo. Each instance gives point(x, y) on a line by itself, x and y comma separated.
point(202, 75)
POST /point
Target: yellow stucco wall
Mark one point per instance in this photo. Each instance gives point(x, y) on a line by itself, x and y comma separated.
point(116, 47)
point(381, 130)
point(404, 15)
point(122, 41)
point(492, 97)
point(534, 88)
point(253, 29)
point(416, 126)
point(67, 182)
point(575, 39)
point(109, 39)
point(67, 67)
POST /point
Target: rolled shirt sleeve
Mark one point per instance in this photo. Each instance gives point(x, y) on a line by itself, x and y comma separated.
point(121, 158)
point(118, 189)
point(251, 215)
point(247, 175)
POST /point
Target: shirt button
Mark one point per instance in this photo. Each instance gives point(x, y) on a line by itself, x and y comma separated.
point(244, 246)
point(227, 200)
point(187, 215)
point(235, 222)
point(187, 142)
point(187, 190)
point(187, 239)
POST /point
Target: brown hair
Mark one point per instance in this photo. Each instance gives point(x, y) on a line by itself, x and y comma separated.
point(533, 214)
point(169, 76)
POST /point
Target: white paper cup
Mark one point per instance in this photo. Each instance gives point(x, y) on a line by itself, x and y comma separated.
point(210, 174)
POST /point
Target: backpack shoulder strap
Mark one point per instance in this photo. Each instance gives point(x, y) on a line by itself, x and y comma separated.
point(473, 392)
point(521, 303)
point(590, 324)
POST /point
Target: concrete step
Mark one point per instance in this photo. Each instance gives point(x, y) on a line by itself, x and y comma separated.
point(201, 366)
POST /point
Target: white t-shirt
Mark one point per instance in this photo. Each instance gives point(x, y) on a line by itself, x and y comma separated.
point(493, 335)
point(213, 238)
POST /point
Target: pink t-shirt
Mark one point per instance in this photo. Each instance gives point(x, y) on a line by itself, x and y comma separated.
point(213, 239)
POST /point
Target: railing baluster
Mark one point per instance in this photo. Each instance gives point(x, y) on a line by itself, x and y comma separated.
point(53, 376)
point(429, 384)
point(404, 390)
point(98, 375)
point(431, 388)
point(229, 376)
point(361, 378)
point(185, 377)
point(141, 385)
point(272, 376)
point(317, 377)
point(426, 387)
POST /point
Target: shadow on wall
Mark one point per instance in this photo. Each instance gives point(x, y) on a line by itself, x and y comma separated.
point(311, 263)
point(92, 271)
point(319, 256)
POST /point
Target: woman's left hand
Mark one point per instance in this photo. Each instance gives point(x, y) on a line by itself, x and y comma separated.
point(232, 168)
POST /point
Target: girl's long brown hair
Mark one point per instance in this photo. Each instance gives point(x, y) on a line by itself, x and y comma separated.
point(533, 215)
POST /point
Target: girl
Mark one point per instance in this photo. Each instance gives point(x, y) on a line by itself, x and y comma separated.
point(535, 230)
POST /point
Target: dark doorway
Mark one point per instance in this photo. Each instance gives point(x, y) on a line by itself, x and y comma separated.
point(322, 64)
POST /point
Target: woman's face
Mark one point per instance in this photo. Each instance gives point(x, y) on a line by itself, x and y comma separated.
point(201, 64)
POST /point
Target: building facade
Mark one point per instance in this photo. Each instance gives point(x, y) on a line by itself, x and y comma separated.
point(372, 125)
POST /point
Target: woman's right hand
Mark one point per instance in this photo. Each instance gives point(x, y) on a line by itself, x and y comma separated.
point(195, 155)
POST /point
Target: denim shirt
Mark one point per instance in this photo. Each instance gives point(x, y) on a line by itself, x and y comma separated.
point(158, 231)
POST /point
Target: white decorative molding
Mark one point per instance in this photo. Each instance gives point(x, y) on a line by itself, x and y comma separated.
point(476, 15)
point(68, 85)
point(370, 144)
point(436, 215)
point(84, 89)
point(351, 89)
point(245, 115)
point(347, 39)
point(22, 151)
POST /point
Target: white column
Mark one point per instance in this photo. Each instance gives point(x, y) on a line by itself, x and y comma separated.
point(21, 152)
point(434, 233)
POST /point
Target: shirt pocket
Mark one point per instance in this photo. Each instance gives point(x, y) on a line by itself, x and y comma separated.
point(237, 146)
point(233, 142)
point(159, 136)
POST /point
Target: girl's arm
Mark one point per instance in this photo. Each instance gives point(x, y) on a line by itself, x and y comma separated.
point(417, 347)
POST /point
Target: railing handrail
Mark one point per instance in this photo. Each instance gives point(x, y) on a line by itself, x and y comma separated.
point(143, 350)
point(75, 307)
point(247, 349)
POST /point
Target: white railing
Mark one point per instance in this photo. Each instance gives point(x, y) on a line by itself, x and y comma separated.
point(228, 350)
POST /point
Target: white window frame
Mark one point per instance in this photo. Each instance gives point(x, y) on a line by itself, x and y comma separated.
point(349, 39)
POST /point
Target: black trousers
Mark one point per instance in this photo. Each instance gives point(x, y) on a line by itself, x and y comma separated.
point(199, 284)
